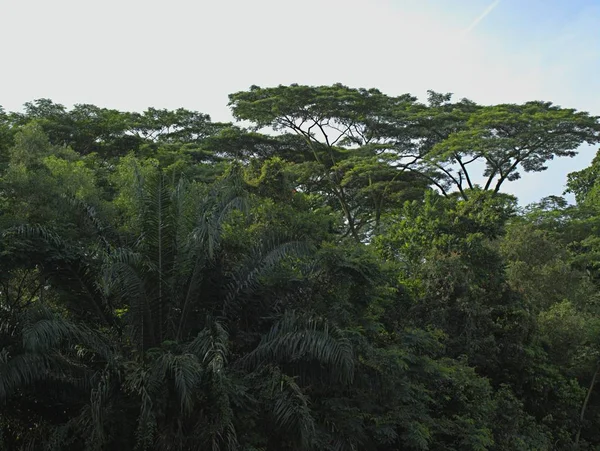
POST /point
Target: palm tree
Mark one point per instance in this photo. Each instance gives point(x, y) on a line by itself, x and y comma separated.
point(158, 343)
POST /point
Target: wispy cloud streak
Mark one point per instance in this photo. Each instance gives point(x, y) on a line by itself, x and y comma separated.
point(482, 16)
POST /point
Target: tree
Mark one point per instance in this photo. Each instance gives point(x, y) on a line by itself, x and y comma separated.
point(507, 138)
point(347, 131)
point(584, 184)
point(173, 299)
point(91, 129)
point(170, 283)
point(441, 142)
point(5, 138)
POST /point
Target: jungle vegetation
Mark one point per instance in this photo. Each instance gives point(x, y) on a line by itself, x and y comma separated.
point(338, 270)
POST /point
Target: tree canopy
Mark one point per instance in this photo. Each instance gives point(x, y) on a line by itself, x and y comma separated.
point(342, 273)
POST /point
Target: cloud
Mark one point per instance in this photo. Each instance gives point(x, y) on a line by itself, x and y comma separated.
point(482, 16)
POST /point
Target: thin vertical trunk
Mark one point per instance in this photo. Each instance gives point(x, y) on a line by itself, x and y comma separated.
point(585, 403)
point(160, 262)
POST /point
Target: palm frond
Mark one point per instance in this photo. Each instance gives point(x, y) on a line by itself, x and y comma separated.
point(139, 381)
point(97, 413)
point(146, 429)
point(74, 268)
point(217, 427)
point(123, 281)
point(266, 255)
point(211, 346)
point(103, 232)
point(301, 337)
point(45, 331)
point(290, 409)
point(213, 212)
point(192, 284)
point(22, 371)
point(186, 372)
point(37, 231)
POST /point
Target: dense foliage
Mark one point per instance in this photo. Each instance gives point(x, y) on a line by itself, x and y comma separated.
point(343, 274)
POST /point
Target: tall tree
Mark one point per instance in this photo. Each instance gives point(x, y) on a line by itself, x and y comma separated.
point(347, 132)
point(508, 138)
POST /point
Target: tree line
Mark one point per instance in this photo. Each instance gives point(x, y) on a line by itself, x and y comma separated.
point(341, 272)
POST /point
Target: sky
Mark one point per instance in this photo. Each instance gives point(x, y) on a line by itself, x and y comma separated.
point(133, 54)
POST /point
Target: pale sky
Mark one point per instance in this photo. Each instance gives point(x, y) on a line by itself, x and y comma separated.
point(132, 54)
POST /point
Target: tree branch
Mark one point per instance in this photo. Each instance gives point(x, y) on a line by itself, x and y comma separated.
point(464, 169)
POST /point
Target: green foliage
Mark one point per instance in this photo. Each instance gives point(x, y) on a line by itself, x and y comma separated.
point(346, 132)
point(584, 184)
point(509, 137)
point(170, 283)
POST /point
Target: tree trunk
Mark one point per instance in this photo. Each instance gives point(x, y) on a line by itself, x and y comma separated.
point(585, 403)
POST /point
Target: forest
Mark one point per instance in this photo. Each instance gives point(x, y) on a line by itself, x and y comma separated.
point(338, 270)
